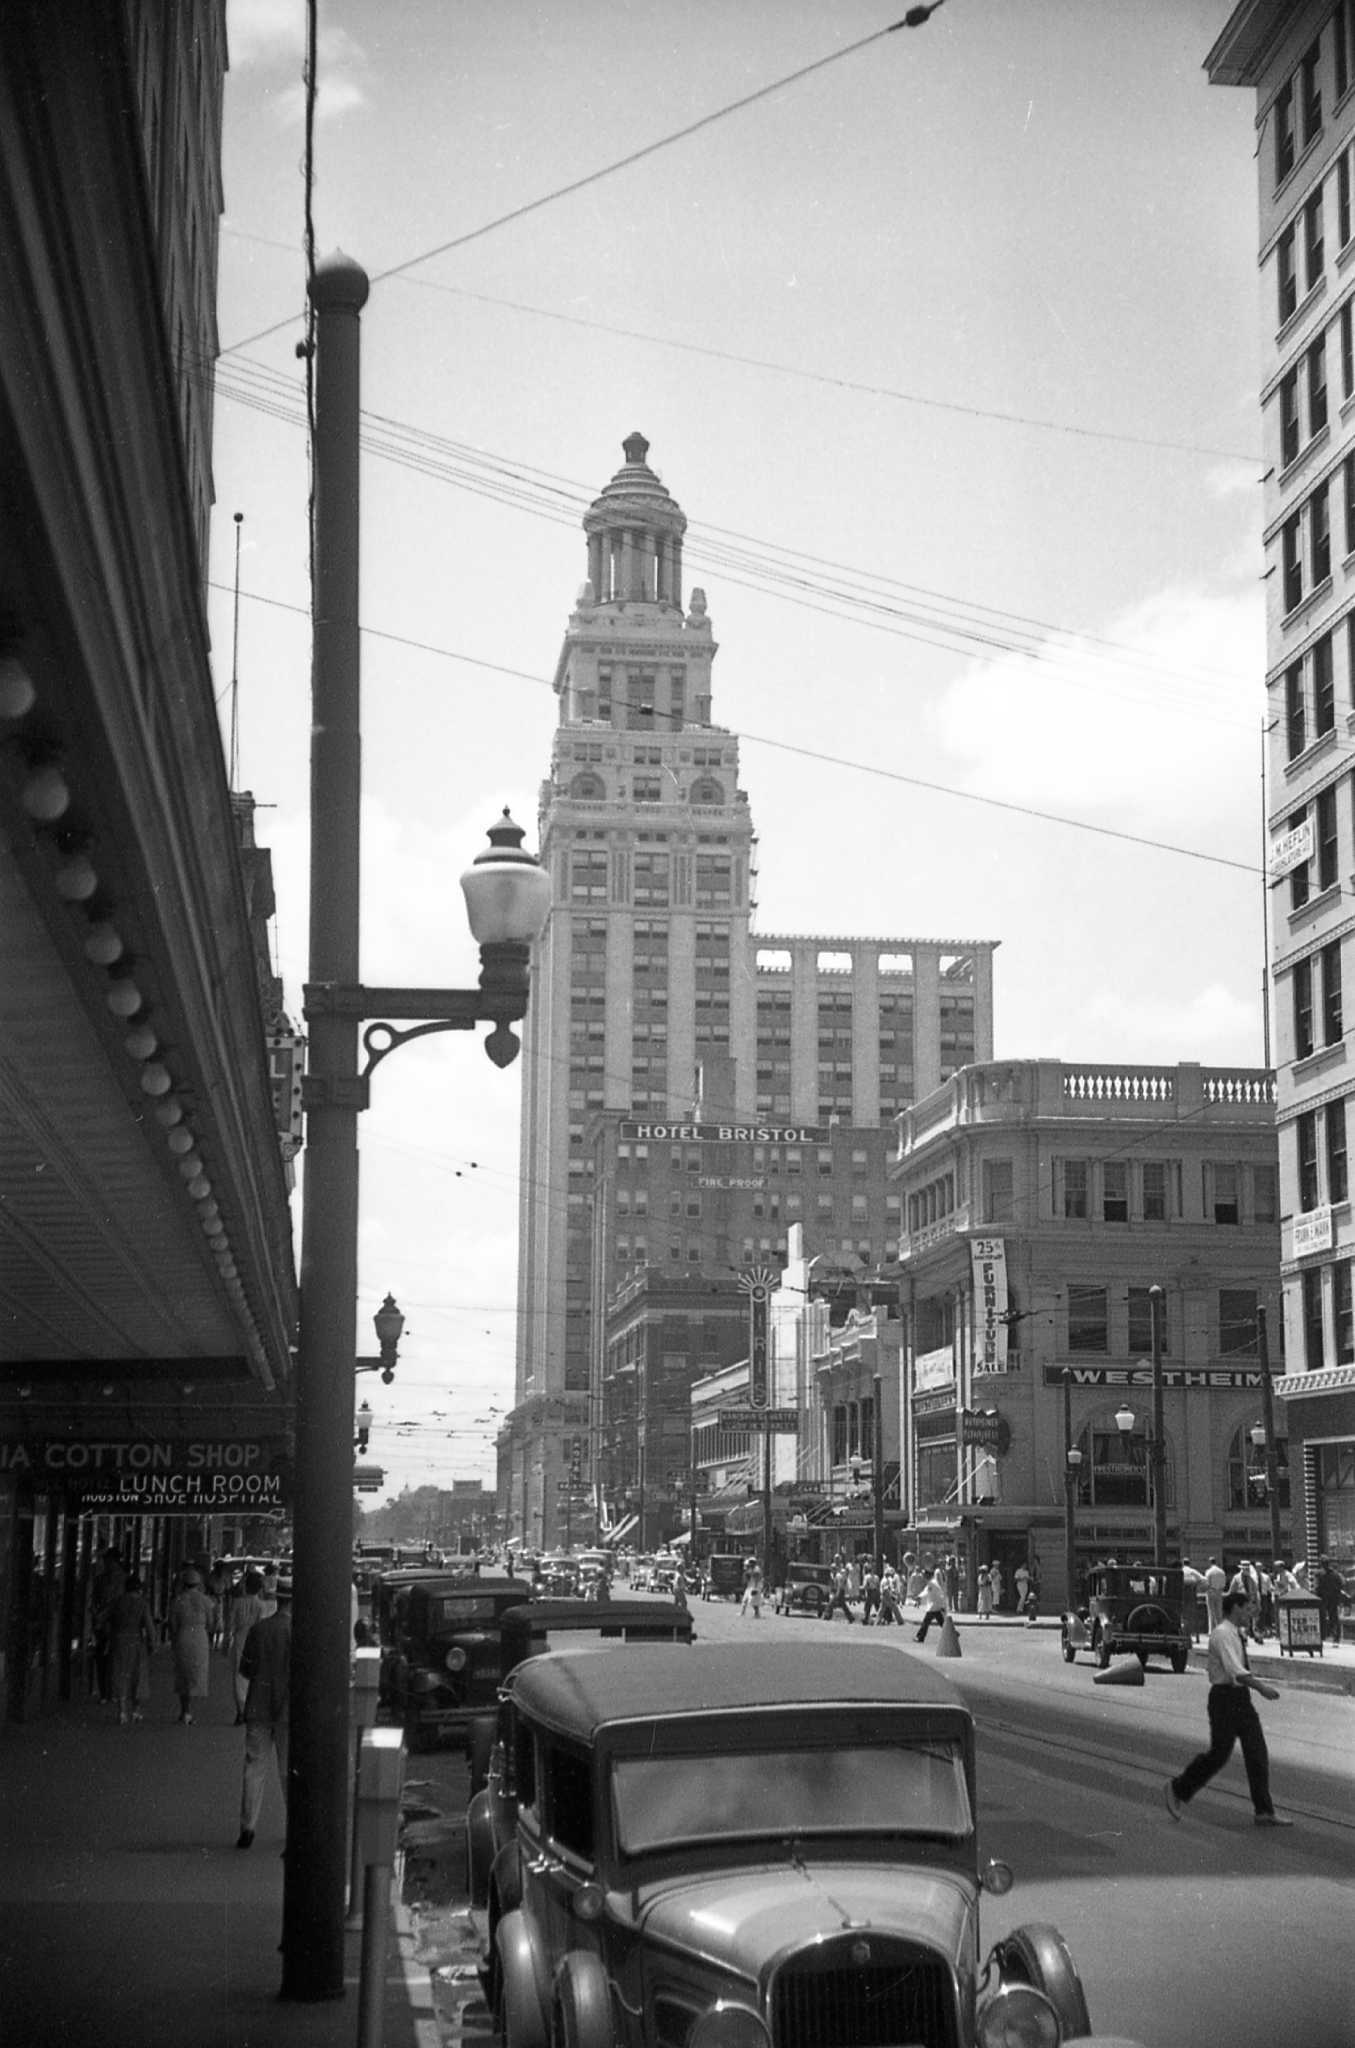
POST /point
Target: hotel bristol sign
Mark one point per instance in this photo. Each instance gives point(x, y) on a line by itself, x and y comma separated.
point(157, 1475)
point(726, 1134)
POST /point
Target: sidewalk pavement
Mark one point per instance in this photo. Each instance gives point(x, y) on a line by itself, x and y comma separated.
point(128, 1915)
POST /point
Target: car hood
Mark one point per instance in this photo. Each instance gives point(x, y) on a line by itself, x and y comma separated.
point(745, 1918)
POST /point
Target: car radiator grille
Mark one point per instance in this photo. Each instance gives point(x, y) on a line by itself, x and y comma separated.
point(906, 1997)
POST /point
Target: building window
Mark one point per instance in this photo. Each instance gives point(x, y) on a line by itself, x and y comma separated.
point(1286, 274)
point(1303, 1009)
point(997, 1191)
point(1305, 1131)
point(1088, 1319)
point(1155, 1191)
point(1331, 993)
point(1289, 419)
point(1226, 1205)
point(1343, 1313)
point(1286, 148)
point(1319, 535)
point(1291, 535)
point(1237, 1322)
point(1338, 1177)
point(1115, 1191)
point(1340, 48)
point(1295, 716)
point(1343, 236)
point(1265, 1194)
point(1326, 838)
point(1317, 386)
point(1313, 248)
point(1312, 1319)
point(1310, 84)
point(1324, 689)
point(1075, 1198)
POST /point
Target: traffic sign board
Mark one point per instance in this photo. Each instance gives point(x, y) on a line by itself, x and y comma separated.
point(780, 1421)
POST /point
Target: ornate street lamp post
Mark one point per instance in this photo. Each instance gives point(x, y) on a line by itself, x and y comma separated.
point(508, 900)
point(1072, 1463)
point(1157, 1442)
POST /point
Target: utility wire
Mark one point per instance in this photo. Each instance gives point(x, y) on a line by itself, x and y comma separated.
point(914, 18)
point(832, 760)
point(930, 618)
point(722, 355)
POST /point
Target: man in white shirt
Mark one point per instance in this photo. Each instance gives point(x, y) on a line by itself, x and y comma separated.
point(1215, 1586)
point(1232, 1719)
point(934, 1602)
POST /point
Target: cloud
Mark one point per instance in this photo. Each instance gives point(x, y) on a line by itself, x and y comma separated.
point(265, 32)
point(269, 36)
point(1152, 727)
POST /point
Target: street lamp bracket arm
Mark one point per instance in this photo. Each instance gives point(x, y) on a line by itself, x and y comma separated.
point(501, 1000)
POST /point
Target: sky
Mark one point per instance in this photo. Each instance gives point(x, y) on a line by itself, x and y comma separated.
point(949, 349)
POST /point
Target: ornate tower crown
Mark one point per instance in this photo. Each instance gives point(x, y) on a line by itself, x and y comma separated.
point(635, 531)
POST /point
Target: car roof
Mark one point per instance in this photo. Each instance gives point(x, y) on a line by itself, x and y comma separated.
point(584, 1692)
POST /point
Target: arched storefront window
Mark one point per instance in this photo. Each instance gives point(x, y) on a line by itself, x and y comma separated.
point(1246, 1475)
point(1115, 1471)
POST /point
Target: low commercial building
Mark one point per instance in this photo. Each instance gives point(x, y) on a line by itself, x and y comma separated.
point(1042, 1203)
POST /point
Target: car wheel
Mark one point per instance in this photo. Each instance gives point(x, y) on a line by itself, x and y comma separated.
point(1069, 1650)
point(1102, 1649)
point(522, 2021)
point(1037, 1955)
point(582, 2017)
point(1180, 1659)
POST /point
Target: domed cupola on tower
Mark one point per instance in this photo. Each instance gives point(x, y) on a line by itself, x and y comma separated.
point(635, 534)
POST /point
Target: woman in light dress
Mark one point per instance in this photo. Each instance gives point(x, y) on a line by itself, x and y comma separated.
point(190, 1641)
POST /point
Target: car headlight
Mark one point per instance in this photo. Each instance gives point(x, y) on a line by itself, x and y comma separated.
point(727, 2025)
point(455, 1659)
point(1018, 2016)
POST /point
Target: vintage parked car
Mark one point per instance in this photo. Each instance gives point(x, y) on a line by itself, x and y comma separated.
point(1136, 1609)
point(744, 1847)
point(558, 1577)
point(724, 1576)
point(441, 1658)
point(807, 1589)
point(530, 1631)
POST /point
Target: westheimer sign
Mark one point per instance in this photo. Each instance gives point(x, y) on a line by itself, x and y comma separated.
point(134, 1475)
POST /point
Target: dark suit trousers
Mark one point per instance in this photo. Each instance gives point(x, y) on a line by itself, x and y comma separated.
point(1233, 1719)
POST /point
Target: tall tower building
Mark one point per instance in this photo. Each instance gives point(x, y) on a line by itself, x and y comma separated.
point(651, 995)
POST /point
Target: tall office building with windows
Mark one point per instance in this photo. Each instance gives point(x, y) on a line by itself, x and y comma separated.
point(650, 976)
point(1299, 59)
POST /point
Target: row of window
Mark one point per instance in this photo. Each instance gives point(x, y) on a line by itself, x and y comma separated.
point(1146, 1190)
point(1100, 1324)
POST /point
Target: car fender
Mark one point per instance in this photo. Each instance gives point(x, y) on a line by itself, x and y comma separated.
point(582, 2010)
point(521, 1977)
point(479, 1849)
point(1037, 1954)
point(505, 1878)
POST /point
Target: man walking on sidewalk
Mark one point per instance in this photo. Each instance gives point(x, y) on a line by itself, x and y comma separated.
point(1232, 1719)
point(266, 1662)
